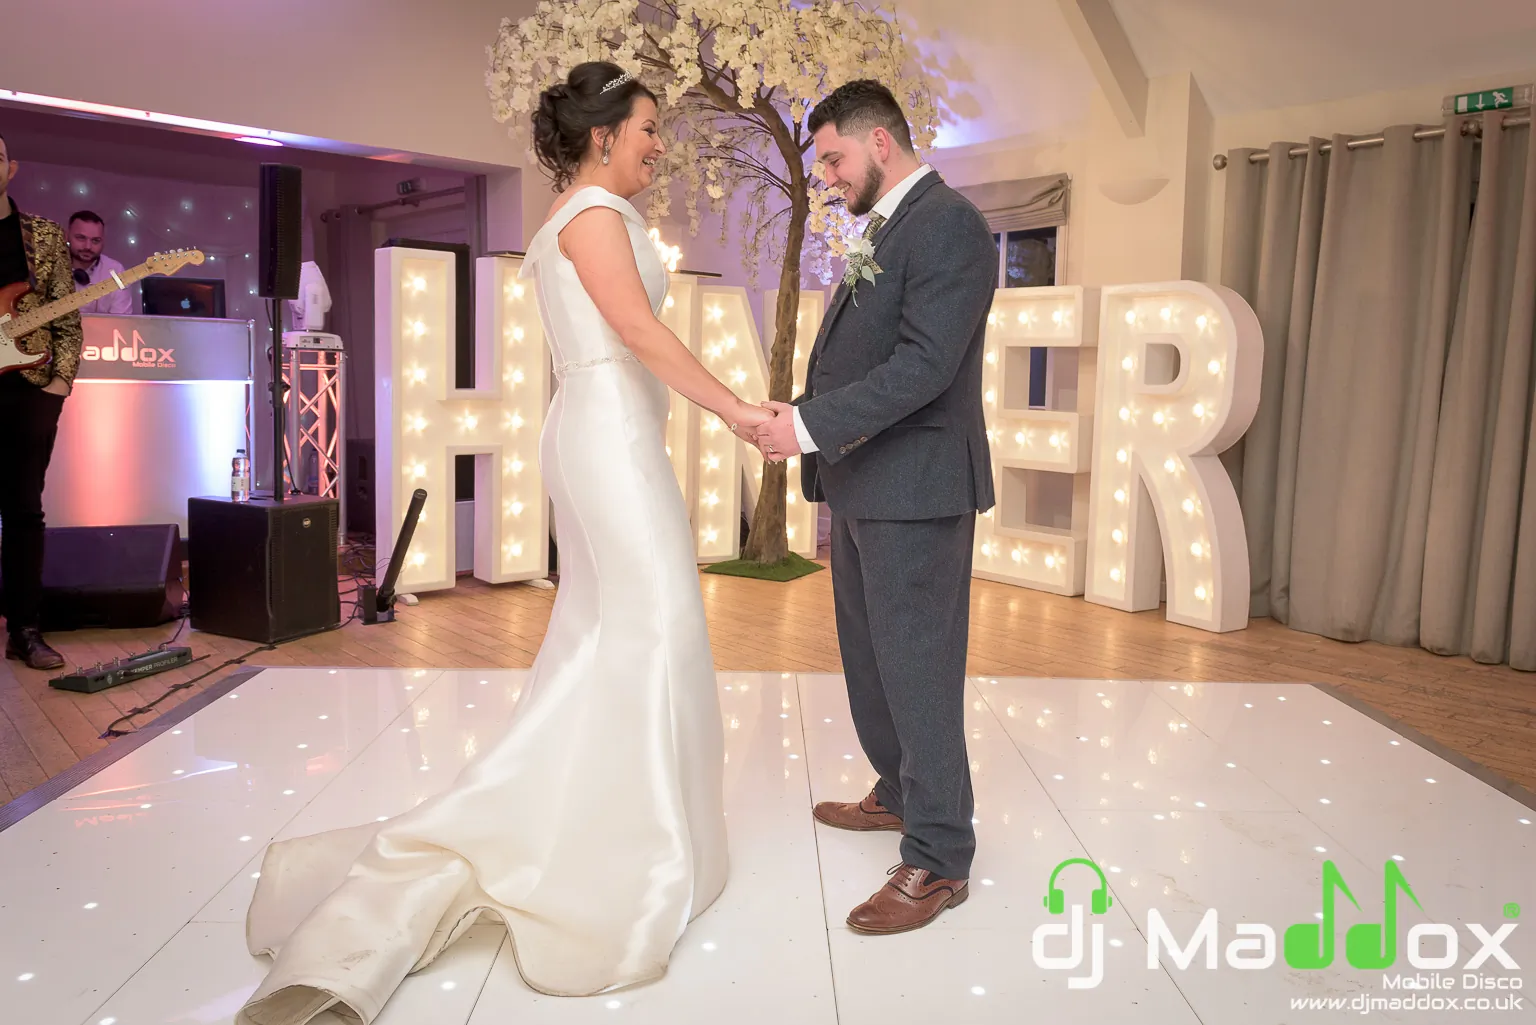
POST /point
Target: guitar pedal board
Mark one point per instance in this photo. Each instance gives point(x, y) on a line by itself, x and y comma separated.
point(119, 671)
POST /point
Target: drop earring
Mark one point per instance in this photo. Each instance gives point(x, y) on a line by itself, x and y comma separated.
point(605, 154)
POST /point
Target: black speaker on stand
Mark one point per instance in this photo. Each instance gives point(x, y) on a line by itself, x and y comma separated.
point(280, 249)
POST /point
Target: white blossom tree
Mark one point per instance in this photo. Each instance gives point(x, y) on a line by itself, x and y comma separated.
point(737, 79)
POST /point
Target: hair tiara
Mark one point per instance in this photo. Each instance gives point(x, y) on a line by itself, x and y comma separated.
point(618, 81)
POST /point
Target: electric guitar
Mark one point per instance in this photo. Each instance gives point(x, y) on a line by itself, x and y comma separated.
point(16, 326)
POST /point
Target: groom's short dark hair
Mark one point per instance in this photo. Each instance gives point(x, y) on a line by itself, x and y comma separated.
point(860, 107)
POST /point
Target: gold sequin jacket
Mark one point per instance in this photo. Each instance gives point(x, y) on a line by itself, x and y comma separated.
point(50, 274)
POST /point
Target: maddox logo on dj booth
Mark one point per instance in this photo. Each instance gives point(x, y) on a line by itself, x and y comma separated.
point(132, 350)
point(1474, 955)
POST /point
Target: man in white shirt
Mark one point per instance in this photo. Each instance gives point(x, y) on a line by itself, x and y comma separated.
point(85, 235)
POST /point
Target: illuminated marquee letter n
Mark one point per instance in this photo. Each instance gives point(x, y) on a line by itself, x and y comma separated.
point(1156, 475)
point(730, 471)
point(422, 421)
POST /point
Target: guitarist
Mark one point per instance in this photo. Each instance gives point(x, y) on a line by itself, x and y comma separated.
point(32, 250)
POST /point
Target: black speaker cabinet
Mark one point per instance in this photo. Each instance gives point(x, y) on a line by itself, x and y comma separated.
point(359, 482)
point(113, 577)
point(263, 570)
point(281, 237)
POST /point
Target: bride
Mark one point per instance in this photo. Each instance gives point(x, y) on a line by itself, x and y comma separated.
point(594, 829)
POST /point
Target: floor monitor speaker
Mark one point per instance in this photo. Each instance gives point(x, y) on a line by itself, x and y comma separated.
point(112, 577)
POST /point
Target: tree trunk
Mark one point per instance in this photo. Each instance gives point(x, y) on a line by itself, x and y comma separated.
point(767, 542)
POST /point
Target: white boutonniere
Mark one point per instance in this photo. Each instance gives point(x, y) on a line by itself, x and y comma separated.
point(861, 265)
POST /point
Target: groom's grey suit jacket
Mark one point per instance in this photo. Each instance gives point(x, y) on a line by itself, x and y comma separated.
point(893, 387)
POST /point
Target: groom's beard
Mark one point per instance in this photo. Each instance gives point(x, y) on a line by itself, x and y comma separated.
point(863, 200)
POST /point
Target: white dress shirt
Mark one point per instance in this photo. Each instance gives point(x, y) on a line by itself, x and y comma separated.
point(885, 208)
point(119, 302)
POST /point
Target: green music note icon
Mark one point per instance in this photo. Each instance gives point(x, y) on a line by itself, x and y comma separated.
point(1369, 945)
point(1309, 945)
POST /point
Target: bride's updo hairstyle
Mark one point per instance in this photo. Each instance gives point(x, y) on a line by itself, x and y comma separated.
point(568, 111)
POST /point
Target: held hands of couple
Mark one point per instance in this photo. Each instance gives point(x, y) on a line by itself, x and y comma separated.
point(775, 436)
point(744, 423)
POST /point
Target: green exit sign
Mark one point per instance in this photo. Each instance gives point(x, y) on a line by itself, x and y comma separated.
point(1489, 99)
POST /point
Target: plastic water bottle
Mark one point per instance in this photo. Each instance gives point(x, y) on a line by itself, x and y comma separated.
point(240, 477)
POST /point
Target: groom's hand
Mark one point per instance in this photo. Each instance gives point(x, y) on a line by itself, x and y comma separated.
point(776, 438)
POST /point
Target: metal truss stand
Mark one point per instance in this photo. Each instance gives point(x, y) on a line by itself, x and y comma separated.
point(314, 382)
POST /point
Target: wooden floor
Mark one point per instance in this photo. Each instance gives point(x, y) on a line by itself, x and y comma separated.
point(1483, 712)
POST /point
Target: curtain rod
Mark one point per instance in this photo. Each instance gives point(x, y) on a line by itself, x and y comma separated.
point(414, 199)
point(1469, 127)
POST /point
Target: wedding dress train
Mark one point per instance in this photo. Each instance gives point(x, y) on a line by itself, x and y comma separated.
point(595, 827)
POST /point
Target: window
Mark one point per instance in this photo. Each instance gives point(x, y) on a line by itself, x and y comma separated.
point(1027, 259)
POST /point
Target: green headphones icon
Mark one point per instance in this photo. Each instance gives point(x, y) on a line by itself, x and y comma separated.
point(1056, 901)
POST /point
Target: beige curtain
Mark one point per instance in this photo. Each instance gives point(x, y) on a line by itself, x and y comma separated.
point(1022, 203)
point(1389, 479)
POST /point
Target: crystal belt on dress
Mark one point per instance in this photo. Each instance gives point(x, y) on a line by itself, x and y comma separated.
point(561, 369)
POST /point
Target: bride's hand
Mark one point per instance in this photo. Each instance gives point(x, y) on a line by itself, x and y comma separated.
point(746, 419)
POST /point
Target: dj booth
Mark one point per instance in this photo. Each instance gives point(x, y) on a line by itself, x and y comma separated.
point(160, 404)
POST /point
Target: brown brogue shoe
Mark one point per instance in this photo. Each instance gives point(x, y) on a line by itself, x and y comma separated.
point(28, 646)
point(865, 816)
point(911, 899)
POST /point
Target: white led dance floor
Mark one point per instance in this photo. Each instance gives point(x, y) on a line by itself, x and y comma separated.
point(122, 902)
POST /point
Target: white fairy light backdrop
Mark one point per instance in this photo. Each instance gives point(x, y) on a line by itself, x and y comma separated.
point(1026, 442)
point(422, 422)
point(1156, 475)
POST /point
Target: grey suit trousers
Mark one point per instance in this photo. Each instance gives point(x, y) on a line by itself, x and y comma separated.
point(902, 593)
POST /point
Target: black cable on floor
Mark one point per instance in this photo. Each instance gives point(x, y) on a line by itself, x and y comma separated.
point(112, 730)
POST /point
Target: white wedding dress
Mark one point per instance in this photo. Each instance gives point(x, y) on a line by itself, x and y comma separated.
point(595, 828)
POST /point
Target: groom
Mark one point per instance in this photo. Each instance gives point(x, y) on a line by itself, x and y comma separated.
point(894, 441)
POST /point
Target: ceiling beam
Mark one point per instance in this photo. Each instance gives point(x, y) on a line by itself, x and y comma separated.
point(1109, 53)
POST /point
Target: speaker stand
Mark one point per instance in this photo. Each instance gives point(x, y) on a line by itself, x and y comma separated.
point(373, 613)
point(279, 479)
